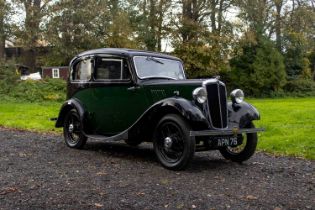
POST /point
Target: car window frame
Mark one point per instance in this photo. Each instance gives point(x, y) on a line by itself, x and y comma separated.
point(113, 81)
point(76, 62)
point(110, 59)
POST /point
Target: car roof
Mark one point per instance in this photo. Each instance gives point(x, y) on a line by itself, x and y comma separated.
point(126, 52)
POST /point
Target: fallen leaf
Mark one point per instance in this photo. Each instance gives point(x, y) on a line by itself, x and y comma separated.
point(140, 193)
point(101, 173)
point(8, 190)
point(251, 197)
point(164, 181)
point(98, 205)
point(180, 206)
point(277, 208)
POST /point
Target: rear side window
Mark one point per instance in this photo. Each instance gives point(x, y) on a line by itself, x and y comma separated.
point(83, 70)
point(111, 69)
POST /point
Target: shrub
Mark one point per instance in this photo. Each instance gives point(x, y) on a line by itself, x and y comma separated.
point(12, 88)
point(8, 76)
point(300, 86)
point(41, 90)
point(259, 69)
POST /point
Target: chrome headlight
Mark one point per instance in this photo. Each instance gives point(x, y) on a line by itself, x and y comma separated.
point(200, 95)
point(237, 96)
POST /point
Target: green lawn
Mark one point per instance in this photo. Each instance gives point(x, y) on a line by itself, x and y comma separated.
point(29, 116)
point(289, 123)
point(290, 126)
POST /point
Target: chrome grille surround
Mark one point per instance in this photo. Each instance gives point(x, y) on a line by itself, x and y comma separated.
point(216, 105)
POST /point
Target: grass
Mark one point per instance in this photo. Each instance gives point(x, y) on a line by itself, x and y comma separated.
point(29, 116)
point(289, 123)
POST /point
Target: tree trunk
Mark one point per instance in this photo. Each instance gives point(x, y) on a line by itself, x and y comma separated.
point(32, 21)
point(160, 25)
point(212, 16)
point(185, 18)
point(220, 17)
point(151, 41)
point(190, 16)
point(2, 31)
point(278, 4)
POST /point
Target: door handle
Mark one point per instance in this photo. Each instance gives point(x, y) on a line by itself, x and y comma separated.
point(133, 88)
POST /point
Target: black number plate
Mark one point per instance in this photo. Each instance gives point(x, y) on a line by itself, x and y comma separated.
point(224, 141)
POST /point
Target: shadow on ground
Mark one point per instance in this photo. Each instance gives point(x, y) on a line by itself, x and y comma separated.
point(208, 160)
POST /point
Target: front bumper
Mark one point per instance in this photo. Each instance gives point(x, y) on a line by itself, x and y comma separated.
point(226, 132)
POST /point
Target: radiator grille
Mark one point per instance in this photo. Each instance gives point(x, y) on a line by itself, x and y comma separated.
point(217, 104)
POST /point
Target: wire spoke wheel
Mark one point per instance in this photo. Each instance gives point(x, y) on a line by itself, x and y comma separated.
point(172, 143)
point(72, 127)
point(239, 148)
point(72, 130)
point(243, 151)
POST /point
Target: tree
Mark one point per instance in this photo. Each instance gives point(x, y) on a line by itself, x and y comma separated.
point(204, 47)
point(148, 20)
point(259, 69)
point(72, 28)
point(119, 32)
point(2, 33)
point(296, 60)
point(256, 15)
point(278, 23)
point(5, 26)
point(30, 34)
point(193, 14)
point(298, 39)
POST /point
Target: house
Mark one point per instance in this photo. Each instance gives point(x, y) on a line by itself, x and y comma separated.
point(61, 72)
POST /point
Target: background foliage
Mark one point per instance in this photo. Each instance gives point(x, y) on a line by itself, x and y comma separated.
point(264, 46)
point(12, 88)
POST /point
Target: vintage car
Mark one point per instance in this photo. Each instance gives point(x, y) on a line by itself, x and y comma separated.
point(140, 96)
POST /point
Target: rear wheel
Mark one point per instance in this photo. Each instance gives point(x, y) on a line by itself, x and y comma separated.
point(173, 145)
point(73, 135)
point(244, 151)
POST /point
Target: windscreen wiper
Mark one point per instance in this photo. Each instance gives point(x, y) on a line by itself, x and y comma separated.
point(150, 58)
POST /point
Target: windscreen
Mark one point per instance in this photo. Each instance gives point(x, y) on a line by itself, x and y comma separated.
point(154, 67)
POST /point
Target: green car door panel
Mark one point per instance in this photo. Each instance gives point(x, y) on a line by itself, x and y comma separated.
point(111, 109)
point(114, 108)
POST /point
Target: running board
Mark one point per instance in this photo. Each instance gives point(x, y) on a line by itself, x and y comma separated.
point(118, 137)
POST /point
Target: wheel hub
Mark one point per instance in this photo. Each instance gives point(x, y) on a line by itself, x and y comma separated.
point(71, 127)
point(168, 142)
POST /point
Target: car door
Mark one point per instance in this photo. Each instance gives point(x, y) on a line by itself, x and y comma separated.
point(115, 101)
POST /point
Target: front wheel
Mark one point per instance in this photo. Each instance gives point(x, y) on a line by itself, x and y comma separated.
point(73, 135)
point(244, 151)
point(173, 145)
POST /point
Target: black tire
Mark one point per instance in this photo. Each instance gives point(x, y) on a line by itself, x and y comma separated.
point(173, 145)
point(73, 135)
point(133, 142)
point(245, 151)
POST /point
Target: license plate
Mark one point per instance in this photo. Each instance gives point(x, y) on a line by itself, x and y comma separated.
point(227, 141)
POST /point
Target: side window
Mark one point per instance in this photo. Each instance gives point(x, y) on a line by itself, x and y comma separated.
point(111, 69)
point(83, 70)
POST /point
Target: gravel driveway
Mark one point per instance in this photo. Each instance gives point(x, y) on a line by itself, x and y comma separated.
point(38, 171)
